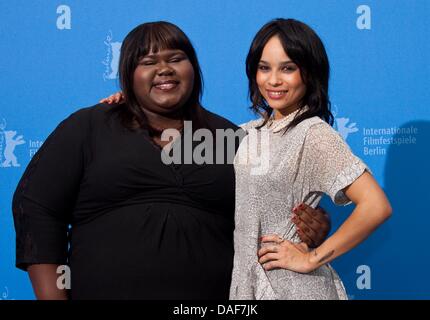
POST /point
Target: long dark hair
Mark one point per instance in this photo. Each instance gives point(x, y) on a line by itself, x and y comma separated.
point(153, 37)
point(307, 51)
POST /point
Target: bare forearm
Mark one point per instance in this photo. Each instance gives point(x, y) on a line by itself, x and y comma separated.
point(360, 224)
point(44, 281)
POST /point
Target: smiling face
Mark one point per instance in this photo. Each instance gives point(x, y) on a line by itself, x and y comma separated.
point(279, 80)
point(163, 81)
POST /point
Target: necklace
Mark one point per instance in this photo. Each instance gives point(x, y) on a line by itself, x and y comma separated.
point(279, 124)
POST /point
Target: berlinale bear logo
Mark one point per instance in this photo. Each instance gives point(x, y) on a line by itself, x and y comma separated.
point(8, 142)
point(343, 125)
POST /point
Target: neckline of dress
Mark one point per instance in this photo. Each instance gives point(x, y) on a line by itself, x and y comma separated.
point(279, 124)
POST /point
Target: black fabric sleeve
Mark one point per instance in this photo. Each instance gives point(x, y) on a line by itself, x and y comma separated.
point(46, 194)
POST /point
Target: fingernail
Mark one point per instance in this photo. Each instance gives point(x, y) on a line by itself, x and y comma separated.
point(301, 206)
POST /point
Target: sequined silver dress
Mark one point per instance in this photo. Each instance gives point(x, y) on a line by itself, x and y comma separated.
point(274, 173)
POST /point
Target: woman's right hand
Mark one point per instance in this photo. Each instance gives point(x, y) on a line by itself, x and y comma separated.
point(313, 225)
point(114, 98)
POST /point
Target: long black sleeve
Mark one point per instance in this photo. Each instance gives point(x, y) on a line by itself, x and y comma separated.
point(46, 194)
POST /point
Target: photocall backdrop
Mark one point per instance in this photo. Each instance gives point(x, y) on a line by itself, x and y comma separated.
point(60, 56)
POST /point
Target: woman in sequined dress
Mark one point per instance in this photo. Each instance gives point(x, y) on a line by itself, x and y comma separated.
point(293, 155)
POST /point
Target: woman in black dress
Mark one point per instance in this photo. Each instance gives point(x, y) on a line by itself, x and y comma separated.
point(98, 197)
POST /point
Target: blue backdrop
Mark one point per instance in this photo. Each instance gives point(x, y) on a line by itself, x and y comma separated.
point(59, 56)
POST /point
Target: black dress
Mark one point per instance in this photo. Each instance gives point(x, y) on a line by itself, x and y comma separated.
point(97, 197)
